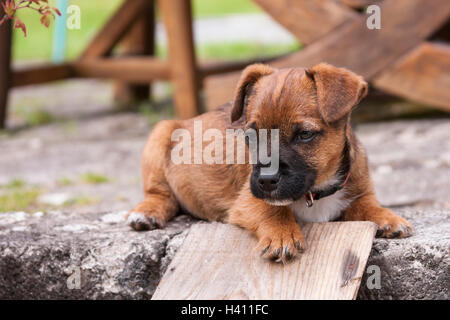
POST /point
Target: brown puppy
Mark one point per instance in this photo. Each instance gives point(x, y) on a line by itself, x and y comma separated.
point(323, 173)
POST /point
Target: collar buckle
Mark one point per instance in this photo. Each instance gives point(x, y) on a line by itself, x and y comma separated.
point(309, 199)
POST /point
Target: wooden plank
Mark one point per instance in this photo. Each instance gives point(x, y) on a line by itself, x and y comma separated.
point(41, 74)
point(178, 22)
point(308, 20)
point(209, 68)
point(116, 27)
point(405, 24)
point(139, 42)
point(218, 261)
point(422, 75)
point(5, 68)
point(129, 69)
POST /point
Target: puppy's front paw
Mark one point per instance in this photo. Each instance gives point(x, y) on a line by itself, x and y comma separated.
point(391, 225)
point(141, 222)
point(282, 245)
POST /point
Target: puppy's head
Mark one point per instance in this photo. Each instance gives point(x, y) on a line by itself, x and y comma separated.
point(311, 109)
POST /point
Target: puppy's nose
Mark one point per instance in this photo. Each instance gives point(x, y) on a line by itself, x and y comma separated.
point(268, 183)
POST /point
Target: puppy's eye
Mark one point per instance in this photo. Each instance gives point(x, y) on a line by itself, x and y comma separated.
point(306, 136)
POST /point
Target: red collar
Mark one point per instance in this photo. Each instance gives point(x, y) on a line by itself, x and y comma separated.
point(310, 197)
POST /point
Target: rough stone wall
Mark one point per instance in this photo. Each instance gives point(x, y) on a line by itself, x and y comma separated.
point(41, 256)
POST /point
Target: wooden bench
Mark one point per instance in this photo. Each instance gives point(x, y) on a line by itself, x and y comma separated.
point(132, 25)
point(401, 58)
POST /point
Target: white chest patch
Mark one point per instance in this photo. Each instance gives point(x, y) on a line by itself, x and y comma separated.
point(324, 210)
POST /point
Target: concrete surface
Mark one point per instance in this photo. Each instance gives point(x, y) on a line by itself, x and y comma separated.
point(58, 255)
point(91, 256)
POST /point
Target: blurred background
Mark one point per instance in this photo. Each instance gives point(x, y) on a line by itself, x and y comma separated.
point(74, 145)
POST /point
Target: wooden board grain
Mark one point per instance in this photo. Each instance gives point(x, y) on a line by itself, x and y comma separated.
point(41, 74)
point(218, 261)
point(138, 42)
point(115, 28)
point(177, 17)
point(353, 46)
point(139, 69)
point(422, 75)
point(301, 17)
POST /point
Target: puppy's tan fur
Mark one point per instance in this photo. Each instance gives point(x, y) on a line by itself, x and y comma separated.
point(320, 98)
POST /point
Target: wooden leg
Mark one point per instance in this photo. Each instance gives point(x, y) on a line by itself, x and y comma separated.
point(177, 17)
point(114, 29)
point(140, 41)
point(5, 68)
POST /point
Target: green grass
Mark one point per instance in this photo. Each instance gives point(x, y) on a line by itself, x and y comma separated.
point(38, 43)
point(211, 8)
point(18, 200)
point(238, 50)
point(63, 182)
point(81, 201)
point(243, 50)
point(155, 115)
point(34, 116)
point(94, 178)
point(15, 184)
point(16, 195)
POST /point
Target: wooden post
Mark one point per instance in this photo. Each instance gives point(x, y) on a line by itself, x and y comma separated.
point(5, 68)
point(140, 41)
point(114, 29)
point(177, 17)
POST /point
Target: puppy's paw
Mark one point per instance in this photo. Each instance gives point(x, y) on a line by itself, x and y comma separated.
point(140, 221)
point(391, 225)
point(282, 245)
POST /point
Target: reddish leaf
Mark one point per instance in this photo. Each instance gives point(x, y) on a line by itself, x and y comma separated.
point(45, 20)
point(9, 7)
point(18, 24)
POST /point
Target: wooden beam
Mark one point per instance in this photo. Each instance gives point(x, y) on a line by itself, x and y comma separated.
point(41, 74)
point(5, 68)
point(218, 261)
point(422, 75)
point(116, 27)
point(177, 18)
point(354, 46)
point(130, 69)
point(308, 20)
point(140, 41)
point(209, 68)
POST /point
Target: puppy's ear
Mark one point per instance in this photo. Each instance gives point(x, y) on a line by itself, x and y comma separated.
point(338, 90)
point(249, 77)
